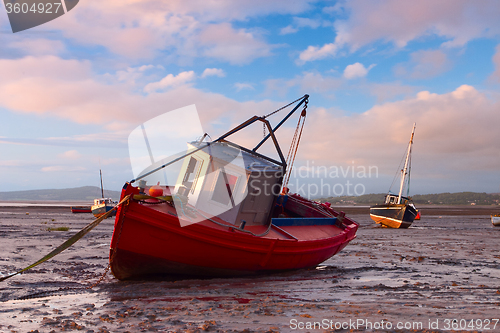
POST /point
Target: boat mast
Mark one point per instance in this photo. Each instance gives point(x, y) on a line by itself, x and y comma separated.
point(102, 191)
point(404, 172)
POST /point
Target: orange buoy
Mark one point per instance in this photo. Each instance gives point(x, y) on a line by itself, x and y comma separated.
point(156, 190)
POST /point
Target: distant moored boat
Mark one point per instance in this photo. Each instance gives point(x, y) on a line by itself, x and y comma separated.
point(81, 209)
point(102, 205)
point(495, 220)
point(397, 211)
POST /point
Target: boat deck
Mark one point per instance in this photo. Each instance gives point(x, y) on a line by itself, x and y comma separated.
point(292, 232)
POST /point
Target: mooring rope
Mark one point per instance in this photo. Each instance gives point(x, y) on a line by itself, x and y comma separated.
point(69, 242)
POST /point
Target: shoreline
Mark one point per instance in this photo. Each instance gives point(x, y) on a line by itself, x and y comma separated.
point(352, 209)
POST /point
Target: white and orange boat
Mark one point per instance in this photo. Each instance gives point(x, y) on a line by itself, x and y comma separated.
point(495, 220)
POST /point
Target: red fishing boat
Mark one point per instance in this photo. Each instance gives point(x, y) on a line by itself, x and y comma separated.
point(81, 209)
point(224, 216)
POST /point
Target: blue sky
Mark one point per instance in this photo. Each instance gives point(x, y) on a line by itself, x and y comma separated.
point(73, 89)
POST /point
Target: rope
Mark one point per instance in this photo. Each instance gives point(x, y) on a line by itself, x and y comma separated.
point(409, 178)
point(294, 146)
point(284, 107)
point(398, 173)
point(108, 267)
point(69, 242)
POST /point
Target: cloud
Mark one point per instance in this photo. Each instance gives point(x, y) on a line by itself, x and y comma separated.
point(289, 29)
point(315, 53)
point(68, 89)
point(62, 168)
point(389, 91)
point(10, 163)
point(131, 75)
point(495, 76)
point(213, 72)
point(143, 29)
point(307, 22)
point(307, 82)
point(456, 131)
point(424, 64)
point(356, 70)
point(238, 47)
point(70, 154)
point(37, 46)
point(240, 10)
point(243, 86)
point(302, 22)
point(399, 22)
point(170, 81)
point(113, 140)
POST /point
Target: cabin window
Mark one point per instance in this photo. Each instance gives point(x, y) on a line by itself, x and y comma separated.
point(224, 188)
point(191, 174)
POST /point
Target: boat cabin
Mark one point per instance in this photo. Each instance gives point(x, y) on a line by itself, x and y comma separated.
point(392, 199)
point(224, 181)
point(103, 201)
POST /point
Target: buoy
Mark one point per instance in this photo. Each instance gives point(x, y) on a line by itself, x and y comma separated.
point(156, 190)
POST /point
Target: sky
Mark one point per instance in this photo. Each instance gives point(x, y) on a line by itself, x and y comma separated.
point(73, 89)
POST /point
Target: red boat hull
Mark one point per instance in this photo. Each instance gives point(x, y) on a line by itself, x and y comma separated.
point(81, 209)
point(148, 240)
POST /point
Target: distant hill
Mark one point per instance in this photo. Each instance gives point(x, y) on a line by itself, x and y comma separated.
point(84, 193)
point(461, 198)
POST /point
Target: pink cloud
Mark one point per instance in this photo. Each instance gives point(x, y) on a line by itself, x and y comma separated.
point(399, 22)
point(315, 52)
point(310, 82)
point(388, 91)
point(222, 42)
point(63, 88)
point(455, 131)
point(356, 70)
point(68, 89)
point(37, 46)
point(170, 81)
point(139, 29)
point(70, 154)
point(213, 72)
point(62, 168)
point(495, 76)
point(424, 64)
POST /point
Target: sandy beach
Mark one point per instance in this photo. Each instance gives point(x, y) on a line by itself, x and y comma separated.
point(445, 267)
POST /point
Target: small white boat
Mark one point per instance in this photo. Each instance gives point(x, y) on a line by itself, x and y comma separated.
point(495, 220)
point(102, 205)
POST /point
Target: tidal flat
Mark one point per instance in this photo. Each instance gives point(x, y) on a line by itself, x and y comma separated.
point(441, 274)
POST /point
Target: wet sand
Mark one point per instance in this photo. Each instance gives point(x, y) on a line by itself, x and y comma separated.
point(445, 266)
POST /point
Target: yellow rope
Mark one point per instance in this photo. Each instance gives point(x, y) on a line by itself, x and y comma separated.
point(69, 242)
point(294, 146)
